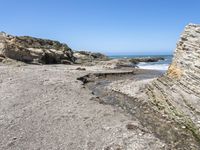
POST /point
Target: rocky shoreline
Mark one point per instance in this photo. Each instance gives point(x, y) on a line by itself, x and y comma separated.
point(33, 50)
point(84, 100)
point(127, 92)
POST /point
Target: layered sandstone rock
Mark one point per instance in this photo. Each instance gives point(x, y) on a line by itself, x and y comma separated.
point(178, 92)
point(186, 63)
point(35, 50)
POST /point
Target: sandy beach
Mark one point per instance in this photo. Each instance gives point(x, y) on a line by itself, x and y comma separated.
point(45, 107)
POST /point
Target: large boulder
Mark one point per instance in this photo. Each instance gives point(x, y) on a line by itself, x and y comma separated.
point(116, 63)
point(86, 57)
point(34, 50)
point(146, 59)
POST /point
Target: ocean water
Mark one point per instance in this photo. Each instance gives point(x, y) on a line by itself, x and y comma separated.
point(160, 65)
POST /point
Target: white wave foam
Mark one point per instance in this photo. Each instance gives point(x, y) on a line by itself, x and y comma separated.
point(142, 63)
point(163, 67)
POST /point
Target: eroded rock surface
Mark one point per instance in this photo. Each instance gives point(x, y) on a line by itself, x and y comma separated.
point(178, 91)
point(86, 57)
point(35, 50)
point(127, 90)
point(116, 63)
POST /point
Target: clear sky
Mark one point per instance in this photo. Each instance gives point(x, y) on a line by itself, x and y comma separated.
point(109, 26)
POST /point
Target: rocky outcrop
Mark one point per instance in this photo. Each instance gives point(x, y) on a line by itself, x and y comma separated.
point(186, 62)
point(177, 93)
point(127, 90)
point(85, 57)
point(146, 59)
point(168, 105)
point(119, 63)
point(34, 50)
point(116, 63)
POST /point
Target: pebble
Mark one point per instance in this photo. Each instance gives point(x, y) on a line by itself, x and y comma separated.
point(183, 127)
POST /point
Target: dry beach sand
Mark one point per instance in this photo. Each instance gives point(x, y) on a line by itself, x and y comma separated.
point(45, 107)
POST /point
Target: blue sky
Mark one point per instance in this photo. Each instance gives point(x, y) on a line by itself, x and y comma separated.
point(110, 26)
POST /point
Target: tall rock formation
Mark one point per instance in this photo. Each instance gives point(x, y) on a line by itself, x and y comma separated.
point(34, 50)
point(186, 62)
point(177, 93)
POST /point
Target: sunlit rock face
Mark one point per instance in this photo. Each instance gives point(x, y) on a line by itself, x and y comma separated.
point(86, 57)
point(35, 50)
point(177, 93)
point(186, 62)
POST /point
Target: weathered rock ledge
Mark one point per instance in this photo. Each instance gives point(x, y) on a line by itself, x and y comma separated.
point(83, 57)
point(34, 50)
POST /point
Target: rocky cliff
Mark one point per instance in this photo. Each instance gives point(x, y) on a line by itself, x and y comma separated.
point(186, 62)
point(178, 92)
point(34, 50)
